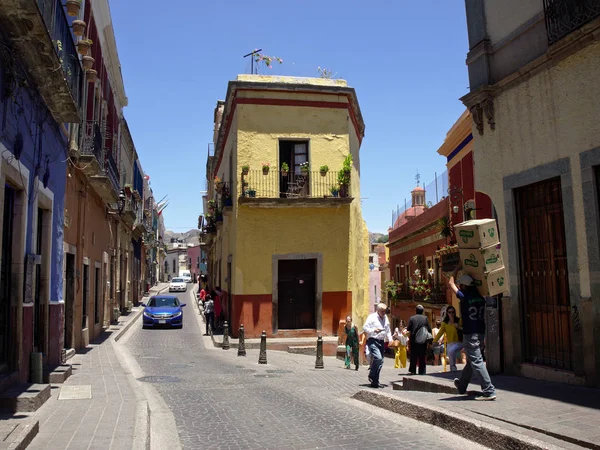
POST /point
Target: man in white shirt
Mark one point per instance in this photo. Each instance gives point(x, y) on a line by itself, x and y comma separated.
point(377, 330)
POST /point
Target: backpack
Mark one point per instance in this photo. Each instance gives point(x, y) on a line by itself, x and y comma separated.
point(422, 335)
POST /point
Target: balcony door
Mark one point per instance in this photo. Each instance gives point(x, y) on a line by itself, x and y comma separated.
point(294, 154)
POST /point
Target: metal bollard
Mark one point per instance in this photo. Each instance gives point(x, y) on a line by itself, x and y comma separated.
point(242, 344)
point(225, 336)
point(262, 357)
point(319, 361)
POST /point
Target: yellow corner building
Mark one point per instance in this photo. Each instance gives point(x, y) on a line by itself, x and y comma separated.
point(286, 241)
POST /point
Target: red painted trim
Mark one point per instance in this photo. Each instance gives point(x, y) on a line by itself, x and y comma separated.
point(285, 102)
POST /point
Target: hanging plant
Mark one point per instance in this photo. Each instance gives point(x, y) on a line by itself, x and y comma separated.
point(324, 170)
point(245, 169)
point(84, 46)
point(284, 169)
point(78, 27)
point(91, 75)
point(88, 62)
point(73, 7)
point(265, 168)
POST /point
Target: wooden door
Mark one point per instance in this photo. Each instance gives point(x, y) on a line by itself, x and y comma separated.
point(296, 293)
point(544, 274)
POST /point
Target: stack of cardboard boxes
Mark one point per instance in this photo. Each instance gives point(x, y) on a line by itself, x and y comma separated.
point(481, 255)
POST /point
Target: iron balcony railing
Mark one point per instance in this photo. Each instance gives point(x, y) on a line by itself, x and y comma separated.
point(565, 16)
point(93, 141)
point(112, 171)
point(62, 37)
point(278, 184)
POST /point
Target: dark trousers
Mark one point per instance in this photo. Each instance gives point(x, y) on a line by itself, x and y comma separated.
point(210, 319)
point(417, 353)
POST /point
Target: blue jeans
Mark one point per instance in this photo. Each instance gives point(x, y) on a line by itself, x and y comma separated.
point(376, 350)
point(453, 349)
point(472, 347)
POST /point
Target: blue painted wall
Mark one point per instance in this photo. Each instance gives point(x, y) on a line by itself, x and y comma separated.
point(23, 113)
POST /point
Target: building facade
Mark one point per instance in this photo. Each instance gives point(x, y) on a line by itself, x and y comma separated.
point(534, 98)
point(285, 240)
point(40, 98)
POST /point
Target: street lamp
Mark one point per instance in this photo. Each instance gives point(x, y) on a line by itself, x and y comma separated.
point(456, 193)
point(121, 201)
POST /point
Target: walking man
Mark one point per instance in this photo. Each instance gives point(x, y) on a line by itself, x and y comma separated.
point(420, 331)
point(209, 314)
point(377, 330)
point(472, 310)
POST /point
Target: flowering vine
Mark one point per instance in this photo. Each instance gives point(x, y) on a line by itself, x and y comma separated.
point(267, 60)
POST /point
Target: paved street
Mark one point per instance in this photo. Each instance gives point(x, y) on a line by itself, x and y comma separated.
point(223, 401)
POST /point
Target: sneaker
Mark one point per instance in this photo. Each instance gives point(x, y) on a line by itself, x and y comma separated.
point(457, 384)
point(486, 398)
point(371, 380)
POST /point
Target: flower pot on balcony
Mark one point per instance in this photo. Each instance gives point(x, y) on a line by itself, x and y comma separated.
point(245, 170)
point(88, 62)
point(265, 171)
point(91, 75)
point(78, 27)
point(251, 193)
point(84, 46)
point(73, 7)
point(284, 173)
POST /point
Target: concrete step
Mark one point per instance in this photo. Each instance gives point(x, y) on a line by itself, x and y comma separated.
point(24, 398)
point(59, 375)
point(302, 349)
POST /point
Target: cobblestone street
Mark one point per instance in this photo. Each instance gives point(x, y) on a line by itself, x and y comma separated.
point(224, 401)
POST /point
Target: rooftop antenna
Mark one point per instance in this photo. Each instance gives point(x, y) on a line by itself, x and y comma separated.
point(252, 59)
point(418, 177)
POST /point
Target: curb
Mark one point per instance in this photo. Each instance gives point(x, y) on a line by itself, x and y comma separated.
point(25, 436)
point(128, 325)
point(475, 430)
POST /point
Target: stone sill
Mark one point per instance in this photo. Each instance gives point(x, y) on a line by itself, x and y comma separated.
point(308, 202)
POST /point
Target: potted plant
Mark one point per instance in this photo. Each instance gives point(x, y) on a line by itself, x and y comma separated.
point(324, 170)
point(335, 190)
point(91, 75)
point(285, 169)
point(84, 46)
point(73, 7)
point(344, 176)
point(265, 168)
point(78, 27)
point(245, 169)
point(304, 168)
point(88, 62)
point(251, 192)
point(211, 205)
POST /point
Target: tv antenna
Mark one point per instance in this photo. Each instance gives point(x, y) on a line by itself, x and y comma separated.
point(252, 59)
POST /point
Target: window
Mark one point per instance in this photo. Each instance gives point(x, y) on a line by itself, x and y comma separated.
point(96, 296)
point(174, 265)
point(397, 273)
point(370, 260)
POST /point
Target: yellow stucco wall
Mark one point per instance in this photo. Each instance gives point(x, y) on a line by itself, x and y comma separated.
point(252, 235)
point(555, 114)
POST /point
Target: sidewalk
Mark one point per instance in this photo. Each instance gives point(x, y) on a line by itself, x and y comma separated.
point(99, 406)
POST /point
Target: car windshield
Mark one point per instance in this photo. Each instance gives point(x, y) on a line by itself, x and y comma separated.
point(177, 280)
point(158, 302)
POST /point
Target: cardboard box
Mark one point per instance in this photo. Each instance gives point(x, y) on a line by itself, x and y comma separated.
point(477, 233)
point(481, 260)
point(491, 283)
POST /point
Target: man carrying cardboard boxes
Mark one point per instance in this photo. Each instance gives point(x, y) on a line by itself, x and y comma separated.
point(481, 260)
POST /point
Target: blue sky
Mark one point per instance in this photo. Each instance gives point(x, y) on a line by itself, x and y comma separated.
point(405, 59)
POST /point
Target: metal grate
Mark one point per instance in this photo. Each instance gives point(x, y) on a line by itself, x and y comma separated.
point(565, 16)
point(544, 283)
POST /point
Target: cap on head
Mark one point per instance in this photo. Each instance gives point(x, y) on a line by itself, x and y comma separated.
point(420, 309)
point(465, 280)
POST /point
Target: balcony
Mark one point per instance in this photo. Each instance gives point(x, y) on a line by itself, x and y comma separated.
point(565, 16)
point(277, 188)
point(99, 165)
point(129, 214)
point(41, 35)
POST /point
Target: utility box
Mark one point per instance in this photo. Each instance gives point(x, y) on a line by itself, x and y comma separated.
point(477, 233)
point(481, 260)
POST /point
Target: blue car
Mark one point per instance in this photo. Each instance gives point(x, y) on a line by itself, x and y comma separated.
point(163, 310)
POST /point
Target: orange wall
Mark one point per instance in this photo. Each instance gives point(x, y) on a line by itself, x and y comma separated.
point(336, 306)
